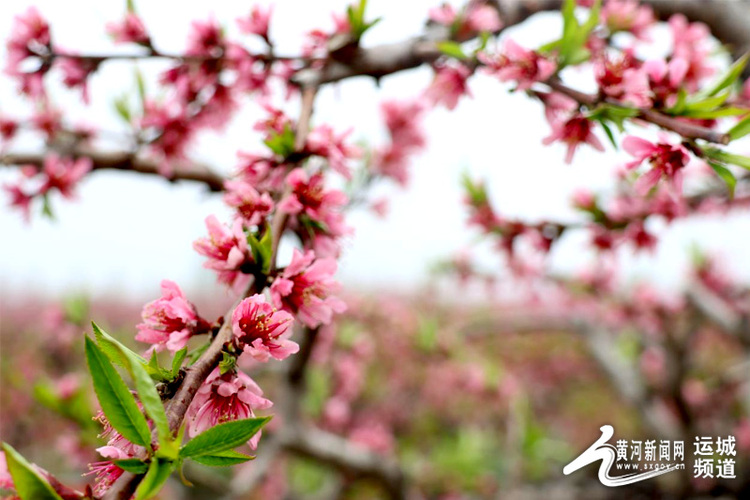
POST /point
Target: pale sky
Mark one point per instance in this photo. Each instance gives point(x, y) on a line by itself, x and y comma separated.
point(127, 232)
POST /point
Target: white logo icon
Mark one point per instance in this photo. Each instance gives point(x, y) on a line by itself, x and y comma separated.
point(602, 450)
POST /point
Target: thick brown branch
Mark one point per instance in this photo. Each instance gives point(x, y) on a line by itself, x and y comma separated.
point(127, 162)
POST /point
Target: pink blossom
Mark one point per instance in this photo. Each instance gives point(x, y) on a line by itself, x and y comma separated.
point(64, 173)
point(665, 159)
point(380, 207)
point(275, 123)
point(653, 364)
point(117, 448)
point(67, 385)
point(129, 30)
point(341, 24)
point(8, 128)
point(252, 73)
point(172, 129)
point(310, 198)
point(691, 44)
point(628, 15)
point(482, 17)
point(107, 473)
point(574, 132)
point(516, 64)
point(222, 104)
point(403, 120)
point(260, 171)
point(640, 237)
point(306, 287)
point(170, 320)
point(225, 398)
point(47, 120)
point(257, 22)
point(324, 142)
point(226, 249)
point(744, 96)
point(445, 14)
point(206, 39)
point(6, 481)
point(252, 206)
point(76, 72)
point(476, 18)
point(584, 199)
point(262, 331)
point(19, 199)
point(374, 435)
point(620, 77)
point(448, 85)
point(392, 161)
point(665, 79)
point(557, 107)
point(30, 38)
point(695, 393)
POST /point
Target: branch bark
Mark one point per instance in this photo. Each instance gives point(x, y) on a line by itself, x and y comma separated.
point(126, 162)
point(686, 130)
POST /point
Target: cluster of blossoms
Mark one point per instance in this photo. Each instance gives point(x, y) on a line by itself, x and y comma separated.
point(57, 175)
point(117, 448)
point(170, 321)
point(403, 120)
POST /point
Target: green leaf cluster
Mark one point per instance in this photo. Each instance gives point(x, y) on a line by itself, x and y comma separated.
point(356, 16)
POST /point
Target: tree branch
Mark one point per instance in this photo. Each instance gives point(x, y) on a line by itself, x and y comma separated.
point(127, 162)
point(195, 375)
point(684, 129)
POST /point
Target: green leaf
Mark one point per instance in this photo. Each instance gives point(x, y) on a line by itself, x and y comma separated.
point(141, 87)
point(452, 49)
point(741, 129)
point(724, 157)
point(122, 108)
point(728, 78)
point(282, 143)
point(571, 46)
point(179, 357)
point(262, 249)
point(476, 190)
point(356, 17)
point(134, 465)
point(714, 113)
point(115, 351)
point(608, 132)
point(117, 403)
point(223, 458)
point(158, 473)
point(149, 396)
point(30, 485)
point(47, 207)
point(227, 363)
point(681, 103)
point(726, 175)
point(702, 104)
point(223, 437)
point(111, 347)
